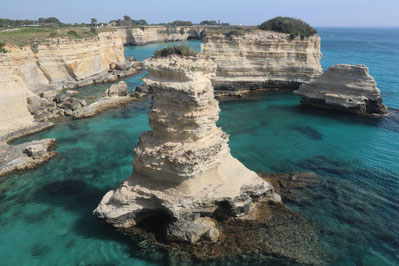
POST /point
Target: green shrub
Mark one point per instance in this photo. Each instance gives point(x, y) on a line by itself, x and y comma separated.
point(182, 31)
point(293, 26)
point(93, 31)
point(181, 23)
point(233, 33)
point(73, 34)
point(2, 49)
point(176, 50)
point(53, 35)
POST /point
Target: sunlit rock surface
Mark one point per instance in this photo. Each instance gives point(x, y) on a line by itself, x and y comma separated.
point(344, 87)
point(257, 59)
point(183, 167)
point(25, 156)
point(29, 74)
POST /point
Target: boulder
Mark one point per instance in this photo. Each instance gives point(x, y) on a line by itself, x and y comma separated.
point(117, 90)
point(71, 92)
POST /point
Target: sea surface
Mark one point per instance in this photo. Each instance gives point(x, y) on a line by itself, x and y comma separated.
point(46, 214)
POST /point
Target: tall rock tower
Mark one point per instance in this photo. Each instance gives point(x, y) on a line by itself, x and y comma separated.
point(183, 167)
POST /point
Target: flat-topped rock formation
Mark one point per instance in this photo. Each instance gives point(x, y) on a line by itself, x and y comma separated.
point(114, 97)
point(183, 167)
point(25, 156)
point(258, 59)
point(344, 87)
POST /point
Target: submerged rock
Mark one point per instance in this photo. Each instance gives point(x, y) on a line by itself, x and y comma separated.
point(25, 156)
point(183, 167)
point(344, 87)
point(290, 186)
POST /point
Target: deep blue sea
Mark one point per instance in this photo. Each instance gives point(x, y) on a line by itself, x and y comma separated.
point(46, 214)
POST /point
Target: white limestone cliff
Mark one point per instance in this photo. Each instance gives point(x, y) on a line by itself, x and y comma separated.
point(344, 87)
point(27, 72)
point(257, 59)
point(183, 167)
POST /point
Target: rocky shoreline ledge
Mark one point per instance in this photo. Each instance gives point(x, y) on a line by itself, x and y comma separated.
point(25, 156)
point(114, 97)
point(275, 234)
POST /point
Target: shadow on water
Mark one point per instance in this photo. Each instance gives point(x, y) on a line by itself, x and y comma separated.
point(82, 198)
point(309, 132)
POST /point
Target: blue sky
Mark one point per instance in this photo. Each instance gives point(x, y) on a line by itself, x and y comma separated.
point(358, 13)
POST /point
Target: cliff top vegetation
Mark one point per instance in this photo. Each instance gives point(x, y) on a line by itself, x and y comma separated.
point(293, 26)
point(176, 50)
point(30, 35)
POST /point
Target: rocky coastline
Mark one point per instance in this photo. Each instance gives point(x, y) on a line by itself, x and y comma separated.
point(347, 88)
point(33, 79)
point(115, 96)
point(261, 60)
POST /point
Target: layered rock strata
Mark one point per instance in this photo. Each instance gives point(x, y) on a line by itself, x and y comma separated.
point(344, 87)
point(257, 59)
point(14, 114)
point(114, 97)
point(32, 76)
point(183, 167)
point(25, 156)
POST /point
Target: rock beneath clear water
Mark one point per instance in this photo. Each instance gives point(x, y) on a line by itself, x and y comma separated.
point(183, 168)
point(290, 186)
point(117, 90)
point(344, 87)
point(25, 156)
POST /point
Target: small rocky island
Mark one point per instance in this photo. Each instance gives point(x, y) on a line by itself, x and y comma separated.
point(187, 195)
point(348, 88)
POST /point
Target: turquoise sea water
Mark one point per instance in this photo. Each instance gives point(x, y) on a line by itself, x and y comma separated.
point(45, 214)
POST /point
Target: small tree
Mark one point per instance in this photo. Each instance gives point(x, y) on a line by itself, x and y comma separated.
point(93, 22)
point(2, 49)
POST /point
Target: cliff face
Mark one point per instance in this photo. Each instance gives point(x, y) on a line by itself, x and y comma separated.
point(14, 112)
point(183, 167)
point(64, 63)
point(54, 65)
point(262, 60)
point(146, 35)
point(344, 87)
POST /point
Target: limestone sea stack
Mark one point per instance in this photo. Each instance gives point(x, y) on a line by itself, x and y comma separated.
point(259, 59)
point(183, 167)
point(344, 87)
